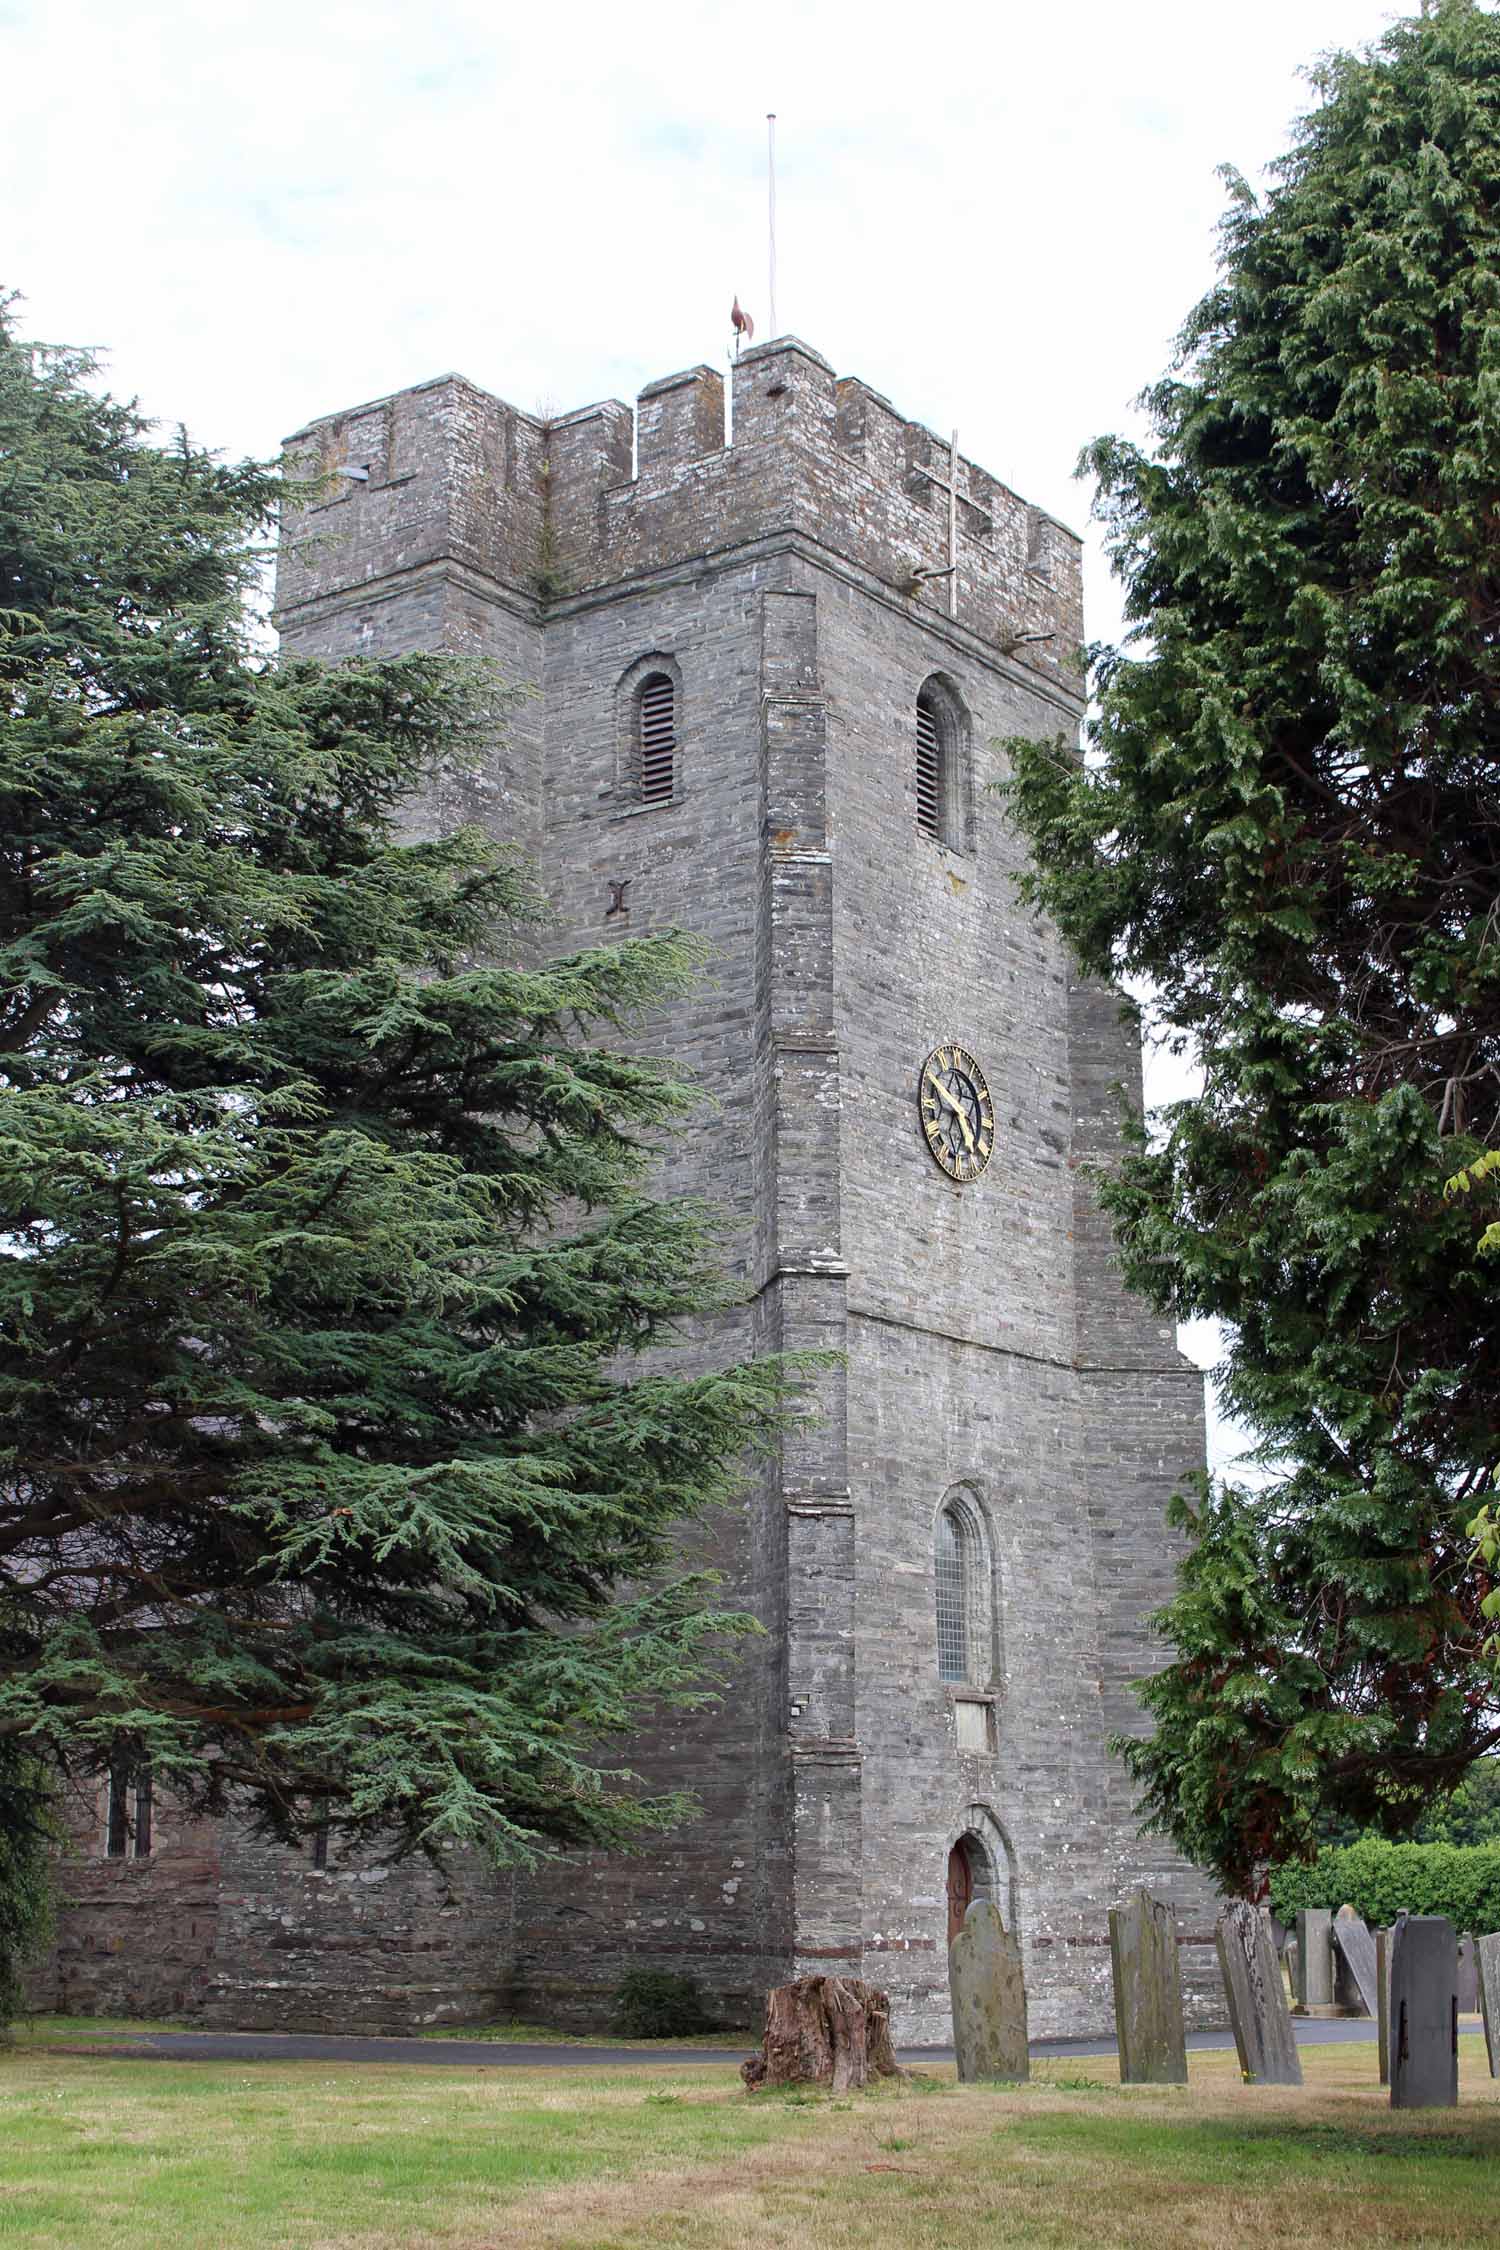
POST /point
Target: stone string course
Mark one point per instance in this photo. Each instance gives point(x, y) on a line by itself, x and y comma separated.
point(985, 1338)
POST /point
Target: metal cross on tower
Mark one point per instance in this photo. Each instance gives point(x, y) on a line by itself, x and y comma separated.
point(948, 484)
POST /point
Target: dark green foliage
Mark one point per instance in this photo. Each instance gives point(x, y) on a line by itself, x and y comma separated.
point(1382, 1880)
point(325, 1248)
point(655, 2004)
point(1471, 1815)
point(1290, 829)
point(26, 1837)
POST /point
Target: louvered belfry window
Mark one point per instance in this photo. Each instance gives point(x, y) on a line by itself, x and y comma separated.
point(657, 722)
point(931, 779)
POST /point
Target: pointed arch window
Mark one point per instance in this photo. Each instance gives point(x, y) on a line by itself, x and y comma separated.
point(127, 1812)
point(961, 1587)
point(930, 777)
point(656, 739)
point(942, 782)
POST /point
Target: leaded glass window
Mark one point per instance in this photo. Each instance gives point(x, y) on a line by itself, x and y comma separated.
point(954, 1565)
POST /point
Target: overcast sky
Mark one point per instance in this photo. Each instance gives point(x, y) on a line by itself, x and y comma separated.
point(998, 215)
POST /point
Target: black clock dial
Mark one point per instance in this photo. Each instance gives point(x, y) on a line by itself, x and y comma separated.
point(957, 1113)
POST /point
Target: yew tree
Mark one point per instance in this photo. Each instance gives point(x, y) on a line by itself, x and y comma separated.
point(340, 1472)
point(1287, 825)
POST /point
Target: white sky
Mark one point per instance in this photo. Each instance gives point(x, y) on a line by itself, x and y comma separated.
point(996, 214)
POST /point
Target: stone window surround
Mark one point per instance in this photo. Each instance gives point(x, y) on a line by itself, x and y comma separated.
point(628, 688)
point(955, 732)
point(963, 1500)
point(128, 1814)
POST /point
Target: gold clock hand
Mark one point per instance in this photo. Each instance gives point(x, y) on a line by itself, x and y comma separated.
point(957, 1108)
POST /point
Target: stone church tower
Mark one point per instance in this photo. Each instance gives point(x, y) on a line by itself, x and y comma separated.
point(765, 713)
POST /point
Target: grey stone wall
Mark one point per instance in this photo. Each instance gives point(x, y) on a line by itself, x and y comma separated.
point(223, 1927)
point(985, 1341)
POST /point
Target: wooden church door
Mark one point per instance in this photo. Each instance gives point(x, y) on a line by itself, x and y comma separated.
point(960, 1889)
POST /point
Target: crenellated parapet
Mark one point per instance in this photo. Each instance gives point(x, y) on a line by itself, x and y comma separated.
point(544, 511)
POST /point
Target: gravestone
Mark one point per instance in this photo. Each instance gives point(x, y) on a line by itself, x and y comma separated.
point(1468, 1978)
point(1487, 1963)
point(1383, 2002)
point(1314, 1957)
point(1424, 2013)
point(1291, 1955)
point(1258, 2011)
point(989, 1997)
point(1148, 1992)
point(1359, 1982)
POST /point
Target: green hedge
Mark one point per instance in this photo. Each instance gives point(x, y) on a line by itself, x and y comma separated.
point(1461, 1881)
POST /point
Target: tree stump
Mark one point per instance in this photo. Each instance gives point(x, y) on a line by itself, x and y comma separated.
point(824, 2031)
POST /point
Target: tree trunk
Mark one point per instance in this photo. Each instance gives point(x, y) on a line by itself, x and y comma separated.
point(824, 2031)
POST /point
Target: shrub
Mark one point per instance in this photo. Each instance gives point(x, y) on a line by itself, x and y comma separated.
point(654, 2004)
point(1380, 1879)
point(1471, 1815)
point(25, 1890)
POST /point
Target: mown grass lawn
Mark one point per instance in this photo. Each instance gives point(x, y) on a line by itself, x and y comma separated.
point(99, 2150)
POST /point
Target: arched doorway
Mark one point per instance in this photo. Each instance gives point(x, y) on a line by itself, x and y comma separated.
point(970, 1877)
point(980, 1866)
point(960, 1888)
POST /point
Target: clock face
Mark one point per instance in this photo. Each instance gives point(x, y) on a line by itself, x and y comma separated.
point(958, 1114)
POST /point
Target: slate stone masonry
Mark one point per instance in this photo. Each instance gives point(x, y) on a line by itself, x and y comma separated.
point(771, 567)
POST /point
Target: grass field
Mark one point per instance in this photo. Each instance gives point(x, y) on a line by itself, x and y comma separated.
point(98, 2150)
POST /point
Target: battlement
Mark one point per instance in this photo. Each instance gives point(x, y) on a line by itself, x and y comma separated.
point(553, 510)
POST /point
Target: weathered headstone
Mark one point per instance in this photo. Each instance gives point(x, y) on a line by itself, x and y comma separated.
point(1314, 1957)
point(1383, 2002)
point(1424, 2013)
point(1468, 1978)
point(1148, 1992)
point(1290, 1958)
point(1258, 2011)
point(1357, 1985)
point(1487, 1962)
point(989, 1997)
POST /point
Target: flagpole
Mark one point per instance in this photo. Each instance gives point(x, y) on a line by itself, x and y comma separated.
point(771, 210)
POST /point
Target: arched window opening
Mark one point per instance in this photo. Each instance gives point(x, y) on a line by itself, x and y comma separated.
point(954, 1567)
point(964, 1597)
point(656, 737)
point(932, 777)
point(944, 793)
point(127, 1812)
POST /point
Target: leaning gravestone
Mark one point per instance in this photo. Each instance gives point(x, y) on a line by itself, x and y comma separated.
point(1314, 1957)
point(1468, 1978)
point(989, 1997)
point(1359, 1980)
point(1487, 1962)
point(1148, 1992)
point(1258, 2011)
point(1424, 2013)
